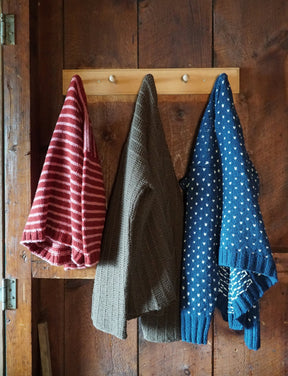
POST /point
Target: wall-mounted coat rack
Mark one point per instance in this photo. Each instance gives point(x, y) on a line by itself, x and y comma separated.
point(168, 81)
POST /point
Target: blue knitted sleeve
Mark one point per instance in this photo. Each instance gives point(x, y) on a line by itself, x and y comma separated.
point(244, 246)
point(202, 196)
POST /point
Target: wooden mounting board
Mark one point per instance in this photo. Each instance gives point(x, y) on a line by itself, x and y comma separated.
point(168, 81)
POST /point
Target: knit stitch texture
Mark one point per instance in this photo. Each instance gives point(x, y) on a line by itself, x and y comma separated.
point(138, 273)
point(227, 259)
point(67, 217)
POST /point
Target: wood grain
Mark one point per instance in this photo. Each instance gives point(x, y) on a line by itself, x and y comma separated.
point(100, 34)
point(168, 81)
point(17, 188)
point(50, 299)
point(175, 35)
point(177, 358)
point(88, 351)
point(44, 345)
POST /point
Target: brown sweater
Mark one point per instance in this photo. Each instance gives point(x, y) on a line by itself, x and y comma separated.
point(139, 269)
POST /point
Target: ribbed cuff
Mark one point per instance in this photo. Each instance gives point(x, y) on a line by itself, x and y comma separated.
point(194, 328)
point(252, 336)
point(163, 325)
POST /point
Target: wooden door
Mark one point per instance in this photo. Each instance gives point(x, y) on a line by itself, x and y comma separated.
point(141, 34)
point(16, 191)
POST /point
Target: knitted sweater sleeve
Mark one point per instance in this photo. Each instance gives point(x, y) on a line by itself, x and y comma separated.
point(202, 219)
point(244, 246)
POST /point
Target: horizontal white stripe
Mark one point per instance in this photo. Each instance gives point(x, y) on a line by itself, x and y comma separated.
point(87, 254)
point(68, 159)
point(96, 164)
point(62, 165)
point(62, 131)
point(68, 191)
point(94, 244)
point(47, 197)
point(38, 222)
point(60, 214)
point(52, 187)
point(69, 116)
point(85, 184)
point(69, 106)
point(32, 230)
point(92, 175)
point(90, 236)
point(72, 98)
point(39, 213)
point(93, 211)
point(65, 150)
point(65, 141)
point(70, 125)
point(60, 177)
point(56, 229)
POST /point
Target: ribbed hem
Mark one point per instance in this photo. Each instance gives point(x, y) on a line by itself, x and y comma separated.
point(162, 326)
point(252, 336)
point(43, 235)
point(194, 328)
point(254, 263)
point(251, 261)
point(40, 244)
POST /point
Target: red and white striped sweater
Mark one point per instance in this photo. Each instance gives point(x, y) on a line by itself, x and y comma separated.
point(67, 217)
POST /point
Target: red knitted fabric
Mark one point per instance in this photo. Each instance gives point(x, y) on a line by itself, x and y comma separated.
point(66, 220)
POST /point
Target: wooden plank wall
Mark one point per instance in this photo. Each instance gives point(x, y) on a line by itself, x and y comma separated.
point(143, 34)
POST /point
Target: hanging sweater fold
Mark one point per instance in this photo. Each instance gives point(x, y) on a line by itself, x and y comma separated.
point(138, 273)
point(227, 260)
point(66, 220)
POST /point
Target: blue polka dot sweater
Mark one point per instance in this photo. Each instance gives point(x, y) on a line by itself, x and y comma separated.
point(227, 261)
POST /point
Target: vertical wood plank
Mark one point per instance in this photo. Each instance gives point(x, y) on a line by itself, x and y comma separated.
point(44, 345)
point(88, 351)
point(47, 63)
point(47, 99)
point(254, 37)
point(100, 34)
point(176, 35)
point(17, 188)
point(50, 300)
point(49, 37)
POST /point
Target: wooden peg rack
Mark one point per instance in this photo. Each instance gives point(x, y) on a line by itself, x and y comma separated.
point(105, 82)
